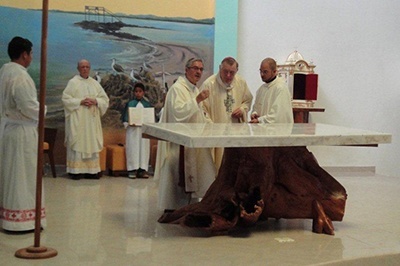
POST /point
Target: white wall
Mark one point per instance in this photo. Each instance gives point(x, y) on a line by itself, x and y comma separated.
point(356, 48)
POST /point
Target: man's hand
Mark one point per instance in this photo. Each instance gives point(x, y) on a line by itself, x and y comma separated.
point(89, 102)
point(254, 118)
point(202, 96)
point(237, 113)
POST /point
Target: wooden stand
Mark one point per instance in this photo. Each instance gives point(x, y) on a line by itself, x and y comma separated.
point(36, 253)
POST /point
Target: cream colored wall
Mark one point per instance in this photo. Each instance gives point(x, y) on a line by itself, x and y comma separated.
point(355, 46)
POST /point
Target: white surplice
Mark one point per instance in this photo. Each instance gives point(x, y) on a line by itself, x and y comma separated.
point(273, 102)
point(181, 107)
point(137, 148)
point(19, 112)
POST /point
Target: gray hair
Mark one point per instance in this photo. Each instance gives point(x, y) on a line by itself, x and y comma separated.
point(81, 61)
point(190, 62)
point(230, 61)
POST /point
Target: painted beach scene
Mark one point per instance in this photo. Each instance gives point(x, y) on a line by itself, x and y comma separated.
point(122, 47)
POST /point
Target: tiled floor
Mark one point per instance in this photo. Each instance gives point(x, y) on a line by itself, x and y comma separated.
point(113, 221)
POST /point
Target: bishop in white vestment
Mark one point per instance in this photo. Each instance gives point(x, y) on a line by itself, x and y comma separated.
point(230, 98)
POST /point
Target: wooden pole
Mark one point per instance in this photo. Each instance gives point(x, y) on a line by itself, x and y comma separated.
point(36, 251)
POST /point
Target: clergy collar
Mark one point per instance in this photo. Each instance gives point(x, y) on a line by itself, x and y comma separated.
point(269, 81)
point(222, 84)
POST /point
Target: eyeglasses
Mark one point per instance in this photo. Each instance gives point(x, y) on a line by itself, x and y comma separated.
point(228, 72)
point(195, 68)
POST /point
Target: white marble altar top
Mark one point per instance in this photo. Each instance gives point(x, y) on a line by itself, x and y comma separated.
point(262, 135)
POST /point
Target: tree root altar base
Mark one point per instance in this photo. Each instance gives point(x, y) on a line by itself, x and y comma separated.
point(255, 184)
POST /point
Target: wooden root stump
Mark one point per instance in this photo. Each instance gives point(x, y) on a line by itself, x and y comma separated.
point(259, 183)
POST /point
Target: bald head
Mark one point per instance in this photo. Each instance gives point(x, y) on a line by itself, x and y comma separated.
point(268, 70)
point(270, 62)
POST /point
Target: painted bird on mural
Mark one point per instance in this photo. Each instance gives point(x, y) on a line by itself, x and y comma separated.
point(134, 76)
point(163, 73)
point(116, 67)
point(97, 77)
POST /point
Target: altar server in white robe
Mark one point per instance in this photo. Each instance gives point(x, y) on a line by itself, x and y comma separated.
point(19, 115)
point(183, 104)
point(230, 98)
point(85, 101)
point(273, 103)
point(137, 148)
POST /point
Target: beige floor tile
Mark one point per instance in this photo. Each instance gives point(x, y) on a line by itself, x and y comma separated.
point(113, 221)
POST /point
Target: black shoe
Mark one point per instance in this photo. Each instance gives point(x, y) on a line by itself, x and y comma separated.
point(76, 176)
point(132, 174)
point(143, 174)
point(92, 176)
point(12, 232)
point(9, 232)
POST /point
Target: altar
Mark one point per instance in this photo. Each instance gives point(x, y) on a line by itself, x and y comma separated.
point(266, 172)
point(263, 135)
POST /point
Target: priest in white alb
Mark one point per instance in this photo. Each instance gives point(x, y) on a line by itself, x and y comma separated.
point(273, 103)
point(181, 180)
point(85, 101)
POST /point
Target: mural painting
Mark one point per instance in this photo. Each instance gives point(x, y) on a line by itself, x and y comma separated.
point(123, 48)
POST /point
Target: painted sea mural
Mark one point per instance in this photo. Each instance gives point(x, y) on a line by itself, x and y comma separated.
point(149, 49)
